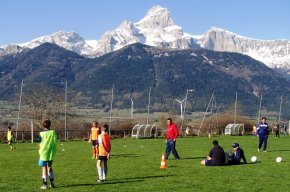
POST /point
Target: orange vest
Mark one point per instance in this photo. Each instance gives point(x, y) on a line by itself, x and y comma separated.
point(104, 144)
point(94, 133)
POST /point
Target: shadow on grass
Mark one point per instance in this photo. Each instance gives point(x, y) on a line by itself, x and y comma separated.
point(103, 183)
point(251, 163)
point(126, 155)
point(133, 179)
point(278, 150)
point(144, 177)
point(186, 158)
point(77, 185)
point(115, 181)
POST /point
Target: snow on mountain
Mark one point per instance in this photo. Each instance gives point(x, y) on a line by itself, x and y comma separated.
point(11, 50)
point(92, 43)
point(116, 39)
point(274, 53)
point(158, 29)
point(68, 40)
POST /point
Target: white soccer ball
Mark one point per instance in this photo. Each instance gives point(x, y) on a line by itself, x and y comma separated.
point(279, 159)
point(254, 159)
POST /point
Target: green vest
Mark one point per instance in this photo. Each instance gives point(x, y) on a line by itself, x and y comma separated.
point(47, 145)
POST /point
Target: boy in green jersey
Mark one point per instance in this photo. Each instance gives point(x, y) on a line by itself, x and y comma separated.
point(10, 136)
point(47, 150)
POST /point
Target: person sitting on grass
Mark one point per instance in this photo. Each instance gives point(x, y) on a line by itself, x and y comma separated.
point(238, 154)
point(216, 156)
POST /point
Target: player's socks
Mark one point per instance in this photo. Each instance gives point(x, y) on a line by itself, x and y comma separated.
point(51, 176)
point(44, 180)
point(100, 173)
point(105, 171)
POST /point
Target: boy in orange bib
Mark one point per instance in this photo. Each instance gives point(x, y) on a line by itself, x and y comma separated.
point(94, 138)
point(103, 153)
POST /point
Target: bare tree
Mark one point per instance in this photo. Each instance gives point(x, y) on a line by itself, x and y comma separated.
point(43, 101)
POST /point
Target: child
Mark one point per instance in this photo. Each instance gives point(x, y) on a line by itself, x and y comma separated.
point(103, 153)
point(10, 136)
point(277, 129)
point(47, 150)
point(238, 154)
point(94, 138)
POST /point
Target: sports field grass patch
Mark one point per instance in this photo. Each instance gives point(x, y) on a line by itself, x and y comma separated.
point(134, 166)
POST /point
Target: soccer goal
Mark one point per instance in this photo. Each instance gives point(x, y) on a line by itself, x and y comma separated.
point(144, 131)
point(235, 129)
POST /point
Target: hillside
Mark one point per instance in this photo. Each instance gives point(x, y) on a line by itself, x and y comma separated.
point(136, 67)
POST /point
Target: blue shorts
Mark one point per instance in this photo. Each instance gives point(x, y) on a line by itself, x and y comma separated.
point(44, 163)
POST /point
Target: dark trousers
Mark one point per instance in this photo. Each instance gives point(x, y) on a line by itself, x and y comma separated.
point(277, 133)
point(263, 139)
point(170, 146)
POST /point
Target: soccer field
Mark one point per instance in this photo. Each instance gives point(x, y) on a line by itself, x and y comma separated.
point(134, 166)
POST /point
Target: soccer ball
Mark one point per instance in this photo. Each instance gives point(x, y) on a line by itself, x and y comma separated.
point(279, 159)
point(254, 159)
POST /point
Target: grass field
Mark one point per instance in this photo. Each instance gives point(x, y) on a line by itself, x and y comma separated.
point(134, 166)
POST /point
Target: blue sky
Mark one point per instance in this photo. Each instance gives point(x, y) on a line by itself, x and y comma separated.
point(24, 20)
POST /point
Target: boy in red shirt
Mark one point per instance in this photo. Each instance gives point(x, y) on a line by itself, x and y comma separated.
point(172, 134)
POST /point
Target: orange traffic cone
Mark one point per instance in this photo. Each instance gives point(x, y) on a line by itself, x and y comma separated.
point(163, 162)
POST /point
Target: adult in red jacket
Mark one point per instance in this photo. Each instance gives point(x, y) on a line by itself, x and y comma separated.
point(172, 134)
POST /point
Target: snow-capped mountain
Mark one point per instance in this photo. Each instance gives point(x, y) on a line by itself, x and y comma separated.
point(158, 29)
point(68, 40)
point(274, 53)
point(11, 50)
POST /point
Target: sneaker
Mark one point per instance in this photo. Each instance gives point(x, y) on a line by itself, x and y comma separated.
point(52, 185)
point(99, 181)
point(258, 150)
point(43, 187)
point(265, 151)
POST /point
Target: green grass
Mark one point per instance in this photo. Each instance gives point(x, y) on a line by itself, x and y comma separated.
point(134, 166)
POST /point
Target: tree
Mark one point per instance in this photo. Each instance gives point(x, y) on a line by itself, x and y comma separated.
point(42, 102)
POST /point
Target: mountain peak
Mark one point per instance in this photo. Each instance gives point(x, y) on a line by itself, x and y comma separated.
point(68, 40)
point(126, 25)
point(156, 17)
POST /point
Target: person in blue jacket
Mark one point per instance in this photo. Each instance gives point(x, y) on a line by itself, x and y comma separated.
point(263, 131)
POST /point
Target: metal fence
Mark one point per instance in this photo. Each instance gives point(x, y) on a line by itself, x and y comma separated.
point(72, 134)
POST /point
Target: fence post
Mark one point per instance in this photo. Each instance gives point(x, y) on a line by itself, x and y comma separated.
point(31, 124)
